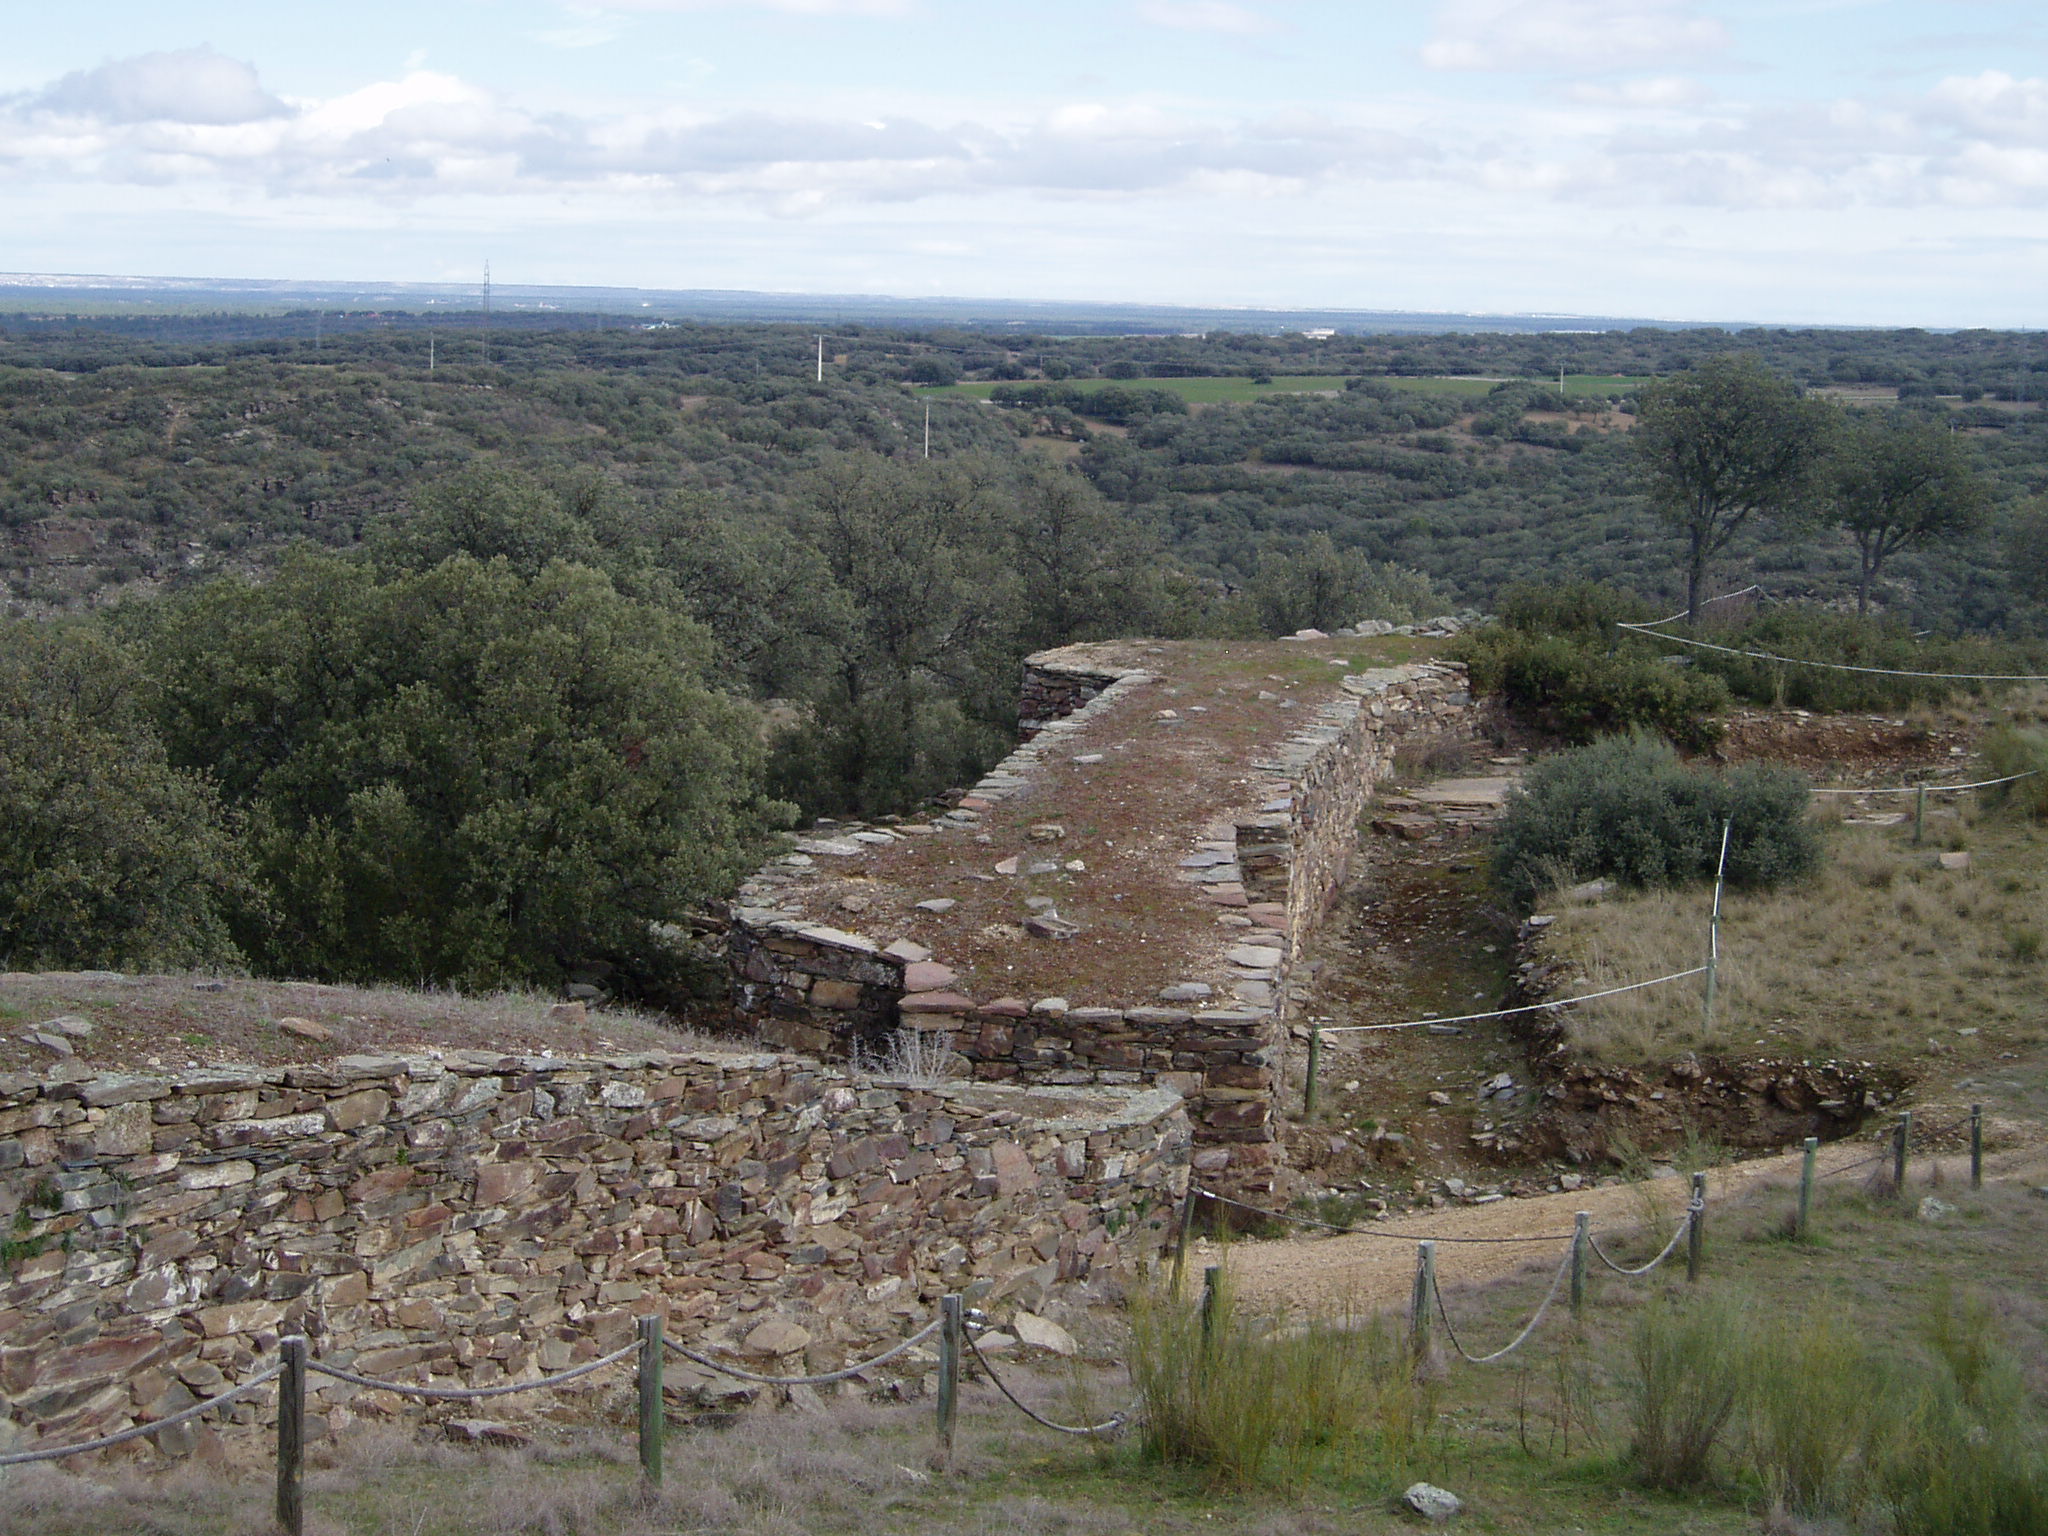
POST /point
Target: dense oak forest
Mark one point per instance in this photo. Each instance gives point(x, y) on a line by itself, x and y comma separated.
point(432, 652)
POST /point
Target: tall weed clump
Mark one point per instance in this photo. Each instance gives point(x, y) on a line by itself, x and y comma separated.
point(1628, 808)
point(2009, 750)
point(1686, 1383)
point(1250, 1400)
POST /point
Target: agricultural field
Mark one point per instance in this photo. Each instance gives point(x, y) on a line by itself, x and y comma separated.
point(1237, 390)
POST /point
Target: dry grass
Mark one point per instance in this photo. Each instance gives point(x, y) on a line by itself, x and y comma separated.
point(174, 1022)
point(1880, 954)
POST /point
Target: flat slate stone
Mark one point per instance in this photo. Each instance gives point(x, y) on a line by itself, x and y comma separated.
point(938, 904)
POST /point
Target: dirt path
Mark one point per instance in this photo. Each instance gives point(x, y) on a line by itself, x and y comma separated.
point(1369, 1272)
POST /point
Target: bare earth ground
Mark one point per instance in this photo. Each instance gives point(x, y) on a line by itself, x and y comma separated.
point(1371, 1272)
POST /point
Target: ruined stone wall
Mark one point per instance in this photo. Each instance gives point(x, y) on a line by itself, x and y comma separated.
point(811, 987)
point(472, 1219)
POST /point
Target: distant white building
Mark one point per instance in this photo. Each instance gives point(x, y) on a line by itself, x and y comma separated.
point(1321, 333)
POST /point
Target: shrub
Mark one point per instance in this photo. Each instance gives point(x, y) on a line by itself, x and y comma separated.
point(2010, 750)
point(1579, 691)
point(1688, 1378)
point(1249, 1400)
point(1586, 610)
point(1628, 808)
point(1815, 634)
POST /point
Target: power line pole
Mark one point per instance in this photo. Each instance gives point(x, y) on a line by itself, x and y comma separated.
point(821, 359)
point(487, 309)
point(927, 429)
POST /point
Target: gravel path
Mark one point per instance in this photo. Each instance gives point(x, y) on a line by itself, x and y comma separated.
point(1370, 1271)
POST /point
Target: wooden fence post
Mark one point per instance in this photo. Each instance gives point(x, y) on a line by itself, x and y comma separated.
point(1581, 1236)
point(1180, 1238)
point(1212, 1282)
point(1806, 1186)
point(1315, 1070)
point(1419, 1300)
point(1976, 1146)
point(653, 1412)
point(952, 1330)
point(1902, 1134)
point(1695, 1227)
point(291, 1435)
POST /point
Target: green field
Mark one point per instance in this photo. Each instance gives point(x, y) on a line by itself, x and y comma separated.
point(1220, 390)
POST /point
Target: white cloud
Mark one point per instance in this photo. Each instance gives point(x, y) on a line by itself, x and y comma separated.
point(1580, 36)
point(1653, 92)
point(1207, 16)
point(194, 85)
point(788, 7)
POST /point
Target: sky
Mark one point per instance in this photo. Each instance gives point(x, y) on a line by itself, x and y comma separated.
point(1880, 162)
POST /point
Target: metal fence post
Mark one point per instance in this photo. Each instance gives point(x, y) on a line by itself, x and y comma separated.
point(951, 1332)
point(653, 1412)
point(291, 1435)
point(1695, 1227)
point(1806, 1187)
point(1976, 1146)
point(1902, 1135)
point(1580, 1237)
point(1418, 1301)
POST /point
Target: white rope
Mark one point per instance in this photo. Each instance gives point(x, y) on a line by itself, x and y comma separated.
point(1108, 1426)
point(1683, 612)
point(137, 1431)
point(808, 1381)
point(1516, 1342)
point(1841, 666)
point(1404, 1237)
point(1502, 1013)
point(1684, 1226)
point(1931, 789)
point(470, 1394)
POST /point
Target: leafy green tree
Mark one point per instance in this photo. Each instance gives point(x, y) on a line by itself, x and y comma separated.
point(1722, 443)
point(919, 693)
point(110, 857)
point(2028, 547)
point(1899, 482)
point(464, 774)
point(1085, 568)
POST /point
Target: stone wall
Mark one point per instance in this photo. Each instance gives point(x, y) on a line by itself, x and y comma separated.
point(807, 986)
point(471, 1219)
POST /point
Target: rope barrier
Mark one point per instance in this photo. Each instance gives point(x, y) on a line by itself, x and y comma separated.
point(1556, 1282)
point(1683, 612)
point(1110, 1425)
point(1684, 1226)
point(823, 1379)
point(470, 1394)
point(1931, 789)
point(1502, 1013)
point(1839, 666)
point(137, 1431)
point(1406, 1237)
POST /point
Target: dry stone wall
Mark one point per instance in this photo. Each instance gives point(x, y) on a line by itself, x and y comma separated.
point(471, 1219)
point(816, 988)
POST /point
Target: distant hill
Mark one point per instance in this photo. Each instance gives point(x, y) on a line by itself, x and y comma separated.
point(74, 294)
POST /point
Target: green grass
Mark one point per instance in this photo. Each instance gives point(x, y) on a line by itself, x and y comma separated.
point(1237, 390)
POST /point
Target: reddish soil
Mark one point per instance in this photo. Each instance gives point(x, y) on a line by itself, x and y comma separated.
point(1162, 787)
point(1846, 749)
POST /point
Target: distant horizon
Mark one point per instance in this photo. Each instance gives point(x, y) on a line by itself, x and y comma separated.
point(314, 289)
point(1868, 164)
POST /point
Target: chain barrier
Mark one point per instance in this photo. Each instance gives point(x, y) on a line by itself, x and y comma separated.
point(471, 1394)
point(820, 1380)
point(1111, 1425)
point(1685, 1222)
point(1404, 1237)
point(137, 1431)
point(1556, 1283)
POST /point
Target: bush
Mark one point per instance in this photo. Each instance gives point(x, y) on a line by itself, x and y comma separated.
point(2010, 750)
point(1585, 610)
point(1250, 1400)
point(1579, 691)
point(1814, 634)
point(1687, 1381)
point(1628, 808)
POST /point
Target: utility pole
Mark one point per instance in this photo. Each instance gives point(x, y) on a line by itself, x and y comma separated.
point(487, 309)
point(927, 429)
point(430, 352)
point(821, 359)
